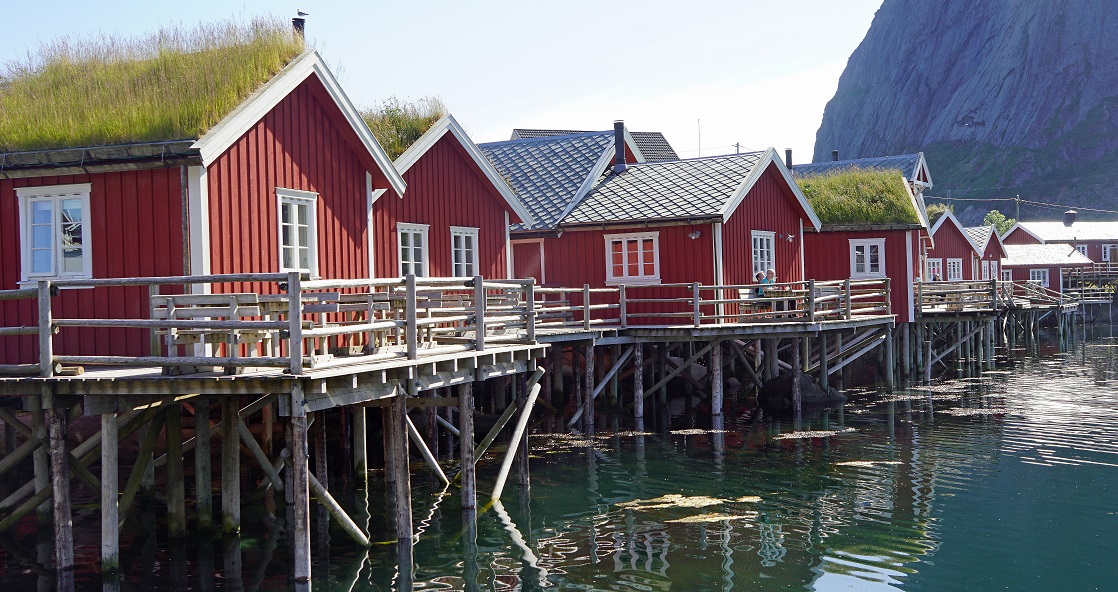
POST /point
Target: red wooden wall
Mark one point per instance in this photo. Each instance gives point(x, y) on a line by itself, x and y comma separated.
point(1019, 237)
point(445, 188)
point(303, 143)
point(950, 243)
point(770, 206)
point(135, 223)
point(827, 257)
point(527, 261)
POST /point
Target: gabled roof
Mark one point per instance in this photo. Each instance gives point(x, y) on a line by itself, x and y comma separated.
point(696, 189)
point(1044, 256)
point(652, 145)
point(1056, 231)
point(912, 166)
point(950, 218)
point(981, 235)
point(219, 138)
point(447, 124)
point(853, 198)
point(549, 173)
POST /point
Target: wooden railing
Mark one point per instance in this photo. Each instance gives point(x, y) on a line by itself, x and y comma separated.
point(957, 296)
point(696, 305)
point(287, 321)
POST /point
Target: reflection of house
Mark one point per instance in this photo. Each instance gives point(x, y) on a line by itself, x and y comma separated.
point(955, 256)
point(1043, 264)
point(1097, 240)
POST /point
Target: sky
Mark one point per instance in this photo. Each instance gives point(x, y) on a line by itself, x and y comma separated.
point(708, 74)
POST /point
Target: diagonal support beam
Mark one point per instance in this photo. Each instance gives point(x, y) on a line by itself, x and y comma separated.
point(601, 385)
point(699, 354)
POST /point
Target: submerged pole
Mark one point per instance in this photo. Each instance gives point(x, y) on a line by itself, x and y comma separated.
point(514, 444)
point(716, 383)
point(466, 445)
point(110, 479)
point(203, 476)
point(300, 483)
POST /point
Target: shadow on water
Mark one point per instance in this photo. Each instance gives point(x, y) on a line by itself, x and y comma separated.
point(1002, 479)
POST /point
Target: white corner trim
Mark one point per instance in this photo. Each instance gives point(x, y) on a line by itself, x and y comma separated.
point(803, 272)
point(198, 201)
point(218, 139)
point(508, 248)
point(922, 163)
point(369, 225)
point(632, 144)
point(911, 276)
point(769, 157)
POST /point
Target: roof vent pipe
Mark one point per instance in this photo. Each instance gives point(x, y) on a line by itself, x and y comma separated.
point(834, 156)
point(619, 164)
point(1069, 217)
point(788, 158)
point(299, 25)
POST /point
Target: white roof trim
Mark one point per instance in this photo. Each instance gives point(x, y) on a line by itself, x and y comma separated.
point(445, 124)
point(922, 163)
point(1017, 225)
point(769, 157)
point(227, 131)
point(963, 231)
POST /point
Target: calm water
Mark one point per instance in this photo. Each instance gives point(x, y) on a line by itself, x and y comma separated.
point(1006, 481)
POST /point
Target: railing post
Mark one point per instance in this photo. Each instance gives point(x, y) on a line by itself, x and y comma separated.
point(295, 321)
point(46, 332)
point(479, 313)
point(846, 292)
point(411, 327)
point(920, 298)
point(811, 301)
point(888, 296)
point(695, 302)
point(994, 295)
point(621, 305)
point(530, 309)
point(586, 306)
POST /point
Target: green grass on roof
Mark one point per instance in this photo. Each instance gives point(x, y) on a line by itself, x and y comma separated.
point(859, 196)
point(170, 85)
point(398, 124)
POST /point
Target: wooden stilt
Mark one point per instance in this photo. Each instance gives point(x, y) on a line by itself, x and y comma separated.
point(321, 468)
point(906, 349)
point(40, 456)
point(230, 467)
point(522, 476)
point(360, 447)
point(557, 374)
point(60, 483)
point(110, 482)
point(176, 497)
point(890, 362)
point(716, 382)
point(466, 445)
point(203, 475)
point(588, 389)
point(398, 424)
point(797, 394)
point(614, 393)
point(300, 483)
point(638, 386)
point(824, 362)
point(267, 424)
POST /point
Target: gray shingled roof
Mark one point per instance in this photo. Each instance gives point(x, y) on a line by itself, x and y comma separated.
point(695, 188)
point(905, 162)
point(1043, 256)
point(980, 235)
point(547, 172)
point(653, 145)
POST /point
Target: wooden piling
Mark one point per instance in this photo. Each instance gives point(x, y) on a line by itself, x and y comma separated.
point(321, 468)
point(40, 456)
point(466, 445)
point(824, 362)
point(300, 484)
point(638, 386)
point(797, 391)
point(522, 475)
point(360, 447)
point(716, 383)
point(176, 497)
point(400, 464)
point(110, 480)
point(230, 466)
point(60, 483)
point(890, 362)
point(203, 475)
point(588, 389)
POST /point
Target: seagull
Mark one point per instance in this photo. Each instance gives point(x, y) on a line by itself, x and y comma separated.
point(301, 13)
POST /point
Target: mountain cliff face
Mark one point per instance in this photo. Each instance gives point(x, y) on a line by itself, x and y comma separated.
point(1005, 97)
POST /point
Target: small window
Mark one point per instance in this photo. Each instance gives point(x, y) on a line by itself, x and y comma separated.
point(1007, 275)
point(633, 258)
point(463, 251)
point(1082, 249)
point(1110, 253)
point(413, 249)
point(54, 232)
point(954, 270)
point(763, 251)
point(867, 258)
point(1039, 276)
point(993, 270)
point(985, 270)
point(298, 235)
point(935, 270)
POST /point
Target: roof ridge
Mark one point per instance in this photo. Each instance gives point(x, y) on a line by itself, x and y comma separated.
point(542, 139)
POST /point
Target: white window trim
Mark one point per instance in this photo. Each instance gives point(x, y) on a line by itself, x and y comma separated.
point(1045, 281)
point(464, 231)
point(755, 234)
point(880, 242)
point(931, 273)
point(960, 263)
point(298, 197)
point(1082, 249)
point(423, 229)
point(1106, 251)
point(26, 195)
point(1007, 275)
point(637, 279)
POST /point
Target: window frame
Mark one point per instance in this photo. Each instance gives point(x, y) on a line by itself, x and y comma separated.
point(993, 270)
point(930, 272)
point(412, 228)
point(985, 269)
point(641, 278)
point(1038, 271)
point(867, 243)
point(55, 194)
point(1082, 250)
point(771, 238)
point(297, 198)
point(1007, 275)
point(951, 261)
point(1106, 252)
point(472, 233)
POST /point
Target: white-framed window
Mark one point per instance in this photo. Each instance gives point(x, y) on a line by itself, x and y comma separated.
point(1107, 251)
point(412, 239)
point(1082, 249)
point(993, 270)
point(867, 258)
point(54, 232)
point(298, 230)
point(463, 251)
point(1007, 275)
point(633, 257)
point(764, 257)
point(1039, 276)
point(985, 269)
point(935, 270)
point(954, 270)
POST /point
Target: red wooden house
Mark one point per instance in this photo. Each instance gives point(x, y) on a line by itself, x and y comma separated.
point(991, 251)
point(955, 255)
point(454, 220)
point(1046, 265)
point(1097, 240)
point(284, 182)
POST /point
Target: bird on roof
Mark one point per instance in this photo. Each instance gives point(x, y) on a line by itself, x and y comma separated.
point(300, 12)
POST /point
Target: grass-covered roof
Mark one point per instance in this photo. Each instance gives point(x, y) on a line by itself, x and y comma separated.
point(859, 196)
point(170, 85)
point(398, 124)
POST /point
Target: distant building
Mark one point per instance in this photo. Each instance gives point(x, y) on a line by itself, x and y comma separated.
point(1097, 240)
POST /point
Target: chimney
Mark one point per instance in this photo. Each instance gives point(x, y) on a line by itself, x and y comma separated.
point(299, 25)
point(834, 156)
point(619, 146)
point(788, 158)
point(1069, 218)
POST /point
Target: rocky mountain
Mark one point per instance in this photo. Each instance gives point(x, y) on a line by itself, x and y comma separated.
point(1005, 97)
